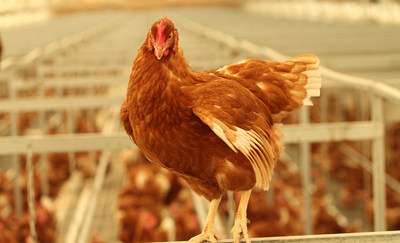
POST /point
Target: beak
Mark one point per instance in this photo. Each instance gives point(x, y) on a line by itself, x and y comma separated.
point(158, 51)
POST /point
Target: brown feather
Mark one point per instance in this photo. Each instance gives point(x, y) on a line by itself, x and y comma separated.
point(125, 121)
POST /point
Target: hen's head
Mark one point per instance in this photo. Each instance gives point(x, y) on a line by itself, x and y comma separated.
point(162, 38)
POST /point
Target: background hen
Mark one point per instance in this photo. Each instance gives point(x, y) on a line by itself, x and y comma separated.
point(218, 129)
point(1, 49)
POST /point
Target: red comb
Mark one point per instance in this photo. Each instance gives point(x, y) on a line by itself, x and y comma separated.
point(160, 32)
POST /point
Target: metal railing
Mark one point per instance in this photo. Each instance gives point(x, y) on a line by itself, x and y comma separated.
point(367, 237)
point(12, 82)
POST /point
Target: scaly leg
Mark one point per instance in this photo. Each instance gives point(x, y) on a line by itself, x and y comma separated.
point(241, 219)
point(208, 233)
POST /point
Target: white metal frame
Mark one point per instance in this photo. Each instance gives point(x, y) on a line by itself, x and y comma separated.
point(9, 68)
point(365, 237)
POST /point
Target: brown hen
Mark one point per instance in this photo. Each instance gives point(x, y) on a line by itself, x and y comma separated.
point(218, 129)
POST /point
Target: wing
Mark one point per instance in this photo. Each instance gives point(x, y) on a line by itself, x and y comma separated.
point(242, 121)
point(283, 87)
point(125, 121)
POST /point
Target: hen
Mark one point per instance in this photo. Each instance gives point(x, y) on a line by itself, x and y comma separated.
point(218, 129)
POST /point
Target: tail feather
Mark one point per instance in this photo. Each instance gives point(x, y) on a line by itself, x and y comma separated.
point(302, 75)
point(283, 87)
point(307, 67)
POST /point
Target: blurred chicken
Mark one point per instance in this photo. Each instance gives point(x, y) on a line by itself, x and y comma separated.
point(6, 234)
point(266, 219)
point(185, 217)
point(25, 121)
point(138, 226)
point(45, 226)
point(151, 189)
point(97, 238)
point(58, 171)
point(23, 180)
point(1, 50)
point(17, 230)
point(85, 122)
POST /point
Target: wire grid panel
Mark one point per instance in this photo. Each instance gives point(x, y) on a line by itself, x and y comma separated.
point(105, 216)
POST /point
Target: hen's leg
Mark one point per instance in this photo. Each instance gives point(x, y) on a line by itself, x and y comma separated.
point(208, 233)
point(241, 219)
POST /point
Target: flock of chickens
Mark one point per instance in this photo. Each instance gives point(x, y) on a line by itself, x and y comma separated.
point(14, 229)
point(153, 205)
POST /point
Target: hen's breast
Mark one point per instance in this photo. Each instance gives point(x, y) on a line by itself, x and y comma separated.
point(169, 134)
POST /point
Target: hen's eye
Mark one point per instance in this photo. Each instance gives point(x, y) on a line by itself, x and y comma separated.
point(170, 36)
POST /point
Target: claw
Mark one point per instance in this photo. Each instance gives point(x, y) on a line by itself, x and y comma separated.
point(207, 235)
point(239, 231)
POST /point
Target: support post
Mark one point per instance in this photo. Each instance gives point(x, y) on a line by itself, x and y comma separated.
point(42, 127)
point(378, 165)
point(305, 162)
point(14, 115)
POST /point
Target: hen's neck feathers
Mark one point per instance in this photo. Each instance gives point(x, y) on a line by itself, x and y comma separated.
point(156, 82)
point(154, 91)
point(173, 67)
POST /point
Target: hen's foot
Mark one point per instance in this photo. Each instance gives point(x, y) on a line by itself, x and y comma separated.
point(240, 227)
point(239, 230)
point(206, 235)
